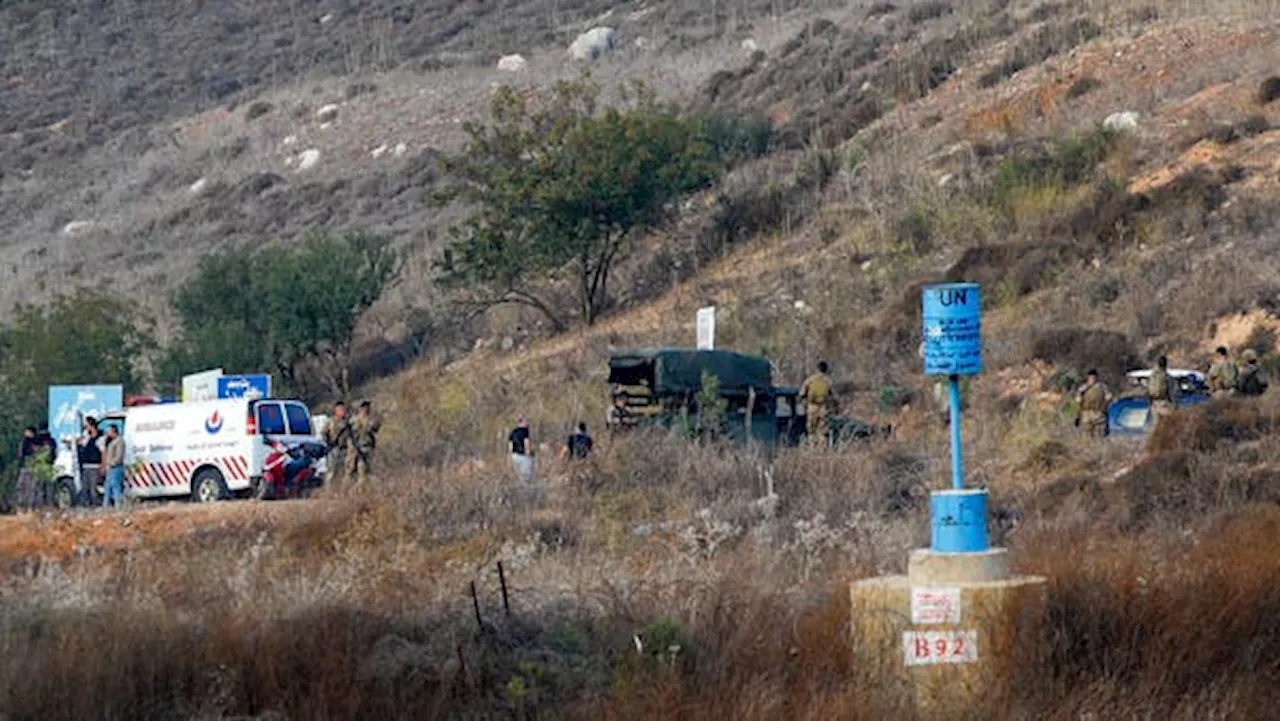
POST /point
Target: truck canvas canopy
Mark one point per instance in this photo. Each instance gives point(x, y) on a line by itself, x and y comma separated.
point(677, 371)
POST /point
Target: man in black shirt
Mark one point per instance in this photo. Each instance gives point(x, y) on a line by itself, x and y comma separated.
point(579, 445)
point(522, 450)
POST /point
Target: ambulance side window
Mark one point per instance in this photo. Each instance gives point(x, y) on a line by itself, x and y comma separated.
point(270, 419)
point(299, 419)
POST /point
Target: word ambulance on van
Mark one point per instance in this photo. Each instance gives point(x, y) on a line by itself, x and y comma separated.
point(208, 450)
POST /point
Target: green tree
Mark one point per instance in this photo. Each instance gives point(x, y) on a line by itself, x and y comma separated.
point(273, 309)
point(566, 187)
point(83, 337)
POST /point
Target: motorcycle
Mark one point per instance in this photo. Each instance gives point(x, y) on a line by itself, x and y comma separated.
point(289, 471)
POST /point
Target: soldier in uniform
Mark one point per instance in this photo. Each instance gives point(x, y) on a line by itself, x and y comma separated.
point(1161, 390)
point(1092, 398)
point(1252, 381)
point(337, 435)
point(1223, 374)
point(364, 437)
point(817, 396)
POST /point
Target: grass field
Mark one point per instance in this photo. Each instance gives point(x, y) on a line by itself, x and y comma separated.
point(914, 143)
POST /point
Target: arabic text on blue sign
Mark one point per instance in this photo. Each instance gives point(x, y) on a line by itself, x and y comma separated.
point(244, 386)
point(69, 404)
point(952, 328)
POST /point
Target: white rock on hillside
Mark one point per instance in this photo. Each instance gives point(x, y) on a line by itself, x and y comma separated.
point(379, 151)
point(512, 63)
point(594, 43)
point(308, 158)
point(401, 148)
point(327, 114)
point(198, 187)
point(750, 45)
point(77, 227)
point(1125, 122)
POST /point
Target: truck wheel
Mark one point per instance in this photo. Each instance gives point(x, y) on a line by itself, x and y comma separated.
point(64, 493)
point(208, 486)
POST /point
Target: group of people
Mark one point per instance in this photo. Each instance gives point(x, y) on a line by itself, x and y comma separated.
point(99, 456)
point(1226, 377)
point(352, 442)
point(578, 447)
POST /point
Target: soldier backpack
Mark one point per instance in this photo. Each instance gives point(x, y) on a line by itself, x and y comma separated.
point(1250, 383)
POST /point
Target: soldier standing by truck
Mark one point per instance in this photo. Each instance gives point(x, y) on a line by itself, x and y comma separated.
point(337, 435)
point(1252, 381)
point(364, 436)
point(1161, 390)
point(1092, 399)
point(1223, 374)
point(817, 396)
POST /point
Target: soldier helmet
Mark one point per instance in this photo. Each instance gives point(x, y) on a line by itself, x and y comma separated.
point(1093, 373)
point(1222, 351)
point(1249, 355)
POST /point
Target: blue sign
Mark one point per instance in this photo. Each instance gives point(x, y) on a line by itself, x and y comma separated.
point(69, 405)
point(952, 315)
point(245, 386)
point(959, 521)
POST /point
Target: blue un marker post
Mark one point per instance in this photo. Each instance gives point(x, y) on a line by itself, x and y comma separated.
point(952, 315)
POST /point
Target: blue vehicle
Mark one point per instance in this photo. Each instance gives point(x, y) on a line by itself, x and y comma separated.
point(1129, 415)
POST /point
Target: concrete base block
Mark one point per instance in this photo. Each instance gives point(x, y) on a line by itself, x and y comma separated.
point(925, 566)
point(962, 641)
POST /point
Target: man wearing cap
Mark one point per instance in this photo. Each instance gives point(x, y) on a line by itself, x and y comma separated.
point(1092, 399)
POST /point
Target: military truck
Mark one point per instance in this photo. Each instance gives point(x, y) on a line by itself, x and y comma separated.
point(660, 387)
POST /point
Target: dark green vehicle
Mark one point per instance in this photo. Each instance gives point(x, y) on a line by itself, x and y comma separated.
point(661, 387)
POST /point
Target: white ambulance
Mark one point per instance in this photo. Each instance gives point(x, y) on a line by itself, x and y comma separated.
point(208, 450)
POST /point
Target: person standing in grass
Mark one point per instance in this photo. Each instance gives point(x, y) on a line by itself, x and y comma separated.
point(522, 449)
point(1223, 374)
point(337, 436)
point(818, 397)
point(1251, 382)
point(1161, 390)
point(1092, 399)
point(113, 459)
point(579, 445)
point(364, 438)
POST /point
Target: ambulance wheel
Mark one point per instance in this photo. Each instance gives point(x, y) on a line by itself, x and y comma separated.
point(208, 486)
point(64, 493)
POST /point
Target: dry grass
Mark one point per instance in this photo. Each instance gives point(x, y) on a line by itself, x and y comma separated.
point(364, 610)
point(1163, 591)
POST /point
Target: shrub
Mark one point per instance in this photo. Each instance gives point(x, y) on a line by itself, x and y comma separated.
point(1269, 90)
point(568, 185)
point(1045, 43)
point(928, 10)
point(257, 109)
point(296, 305)
point(1111, 353)
point(1062, 163)
point(1205, 427)
point(1083, 87)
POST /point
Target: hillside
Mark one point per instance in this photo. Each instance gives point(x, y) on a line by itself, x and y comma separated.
point(1109, 173)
